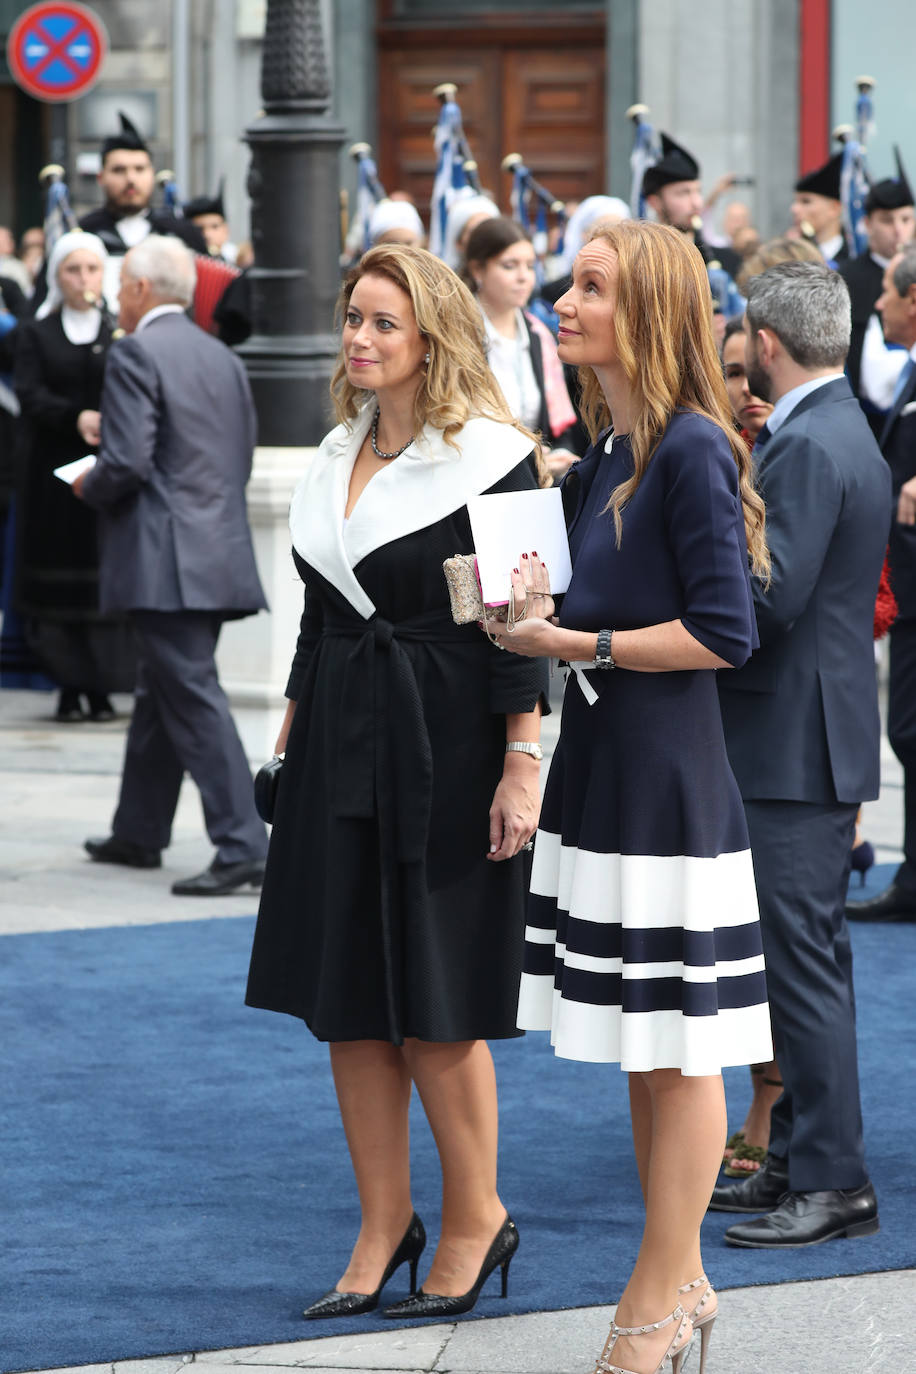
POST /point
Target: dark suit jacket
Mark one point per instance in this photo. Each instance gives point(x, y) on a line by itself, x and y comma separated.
point(178, 430)
point(863, 277)
point(801, 718)
point(898, 444)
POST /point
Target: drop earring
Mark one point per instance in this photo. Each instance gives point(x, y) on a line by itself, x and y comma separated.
point(426, 357)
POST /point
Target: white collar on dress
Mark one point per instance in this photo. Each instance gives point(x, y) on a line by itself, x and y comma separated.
point(426, 483)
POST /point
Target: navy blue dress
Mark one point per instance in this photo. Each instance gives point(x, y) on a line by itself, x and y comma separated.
point(643, 943)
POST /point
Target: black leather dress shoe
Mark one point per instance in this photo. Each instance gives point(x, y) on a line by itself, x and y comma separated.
point(115, 851)
point(895, 903)
point(758, 1193)
point(220, 879)
point(810, 1218)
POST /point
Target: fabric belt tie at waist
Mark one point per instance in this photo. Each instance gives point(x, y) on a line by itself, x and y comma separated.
point(385, 761)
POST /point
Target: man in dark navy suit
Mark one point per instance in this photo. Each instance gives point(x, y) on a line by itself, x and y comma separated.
point(897, 304)
point(802, 730)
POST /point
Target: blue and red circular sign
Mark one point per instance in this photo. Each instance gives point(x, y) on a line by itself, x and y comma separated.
point(55, 51)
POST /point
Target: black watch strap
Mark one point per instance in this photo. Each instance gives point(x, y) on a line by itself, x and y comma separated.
point(604, 658)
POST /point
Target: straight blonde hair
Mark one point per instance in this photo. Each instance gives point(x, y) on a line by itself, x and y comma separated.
point(665, 344)
point(457, 384)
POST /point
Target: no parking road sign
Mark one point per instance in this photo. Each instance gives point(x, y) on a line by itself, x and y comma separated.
point(55, 51)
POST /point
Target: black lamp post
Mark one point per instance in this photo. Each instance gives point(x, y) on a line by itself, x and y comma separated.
point(295, 230)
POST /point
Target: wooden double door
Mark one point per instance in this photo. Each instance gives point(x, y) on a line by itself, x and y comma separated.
point(542, 97)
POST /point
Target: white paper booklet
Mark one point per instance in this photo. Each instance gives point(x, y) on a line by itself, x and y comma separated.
point(70, 471)
point(508, 524)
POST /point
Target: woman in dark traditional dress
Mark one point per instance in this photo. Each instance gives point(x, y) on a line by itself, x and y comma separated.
point(59, 367)
point(392, 912)
point(643, 944)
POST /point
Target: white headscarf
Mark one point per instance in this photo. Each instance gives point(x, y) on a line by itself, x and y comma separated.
point(68, 243)
point(464, 207)
point(581, 220)
point(394, 214)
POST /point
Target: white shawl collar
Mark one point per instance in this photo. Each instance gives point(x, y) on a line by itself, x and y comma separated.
point(427, 482)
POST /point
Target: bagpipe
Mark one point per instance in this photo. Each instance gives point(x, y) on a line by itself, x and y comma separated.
point(529, 194)
point(214, 275)
point(456, 168)
point(369, 191)
point(854, 178)
point(59, 216)
point(646, 152)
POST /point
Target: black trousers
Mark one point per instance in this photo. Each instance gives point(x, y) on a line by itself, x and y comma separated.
point(801, 857)
point(901, 733)
point(182, 723)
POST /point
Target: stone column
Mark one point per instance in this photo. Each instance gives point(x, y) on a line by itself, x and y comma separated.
point(290, 356)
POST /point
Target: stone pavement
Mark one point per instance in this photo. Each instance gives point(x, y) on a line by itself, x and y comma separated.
point(58, 785)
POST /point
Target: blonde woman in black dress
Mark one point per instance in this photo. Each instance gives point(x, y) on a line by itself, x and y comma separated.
point(392, 913)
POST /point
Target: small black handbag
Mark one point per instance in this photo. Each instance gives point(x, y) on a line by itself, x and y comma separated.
point(266, 781)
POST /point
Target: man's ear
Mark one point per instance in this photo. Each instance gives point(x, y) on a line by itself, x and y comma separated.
point(654, 202)
point(767, 346)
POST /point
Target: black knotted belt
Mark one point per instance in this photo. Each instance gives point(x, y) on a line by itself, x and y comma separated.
point(384, 761)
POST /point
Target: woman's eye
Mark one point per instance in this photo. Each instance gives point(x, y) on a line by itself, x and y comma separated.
point(385, 325)
point(352, 319)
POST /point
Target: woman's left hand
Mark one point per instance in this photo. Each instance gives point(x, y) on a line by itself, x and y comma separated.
point(515, 810)
point(534, 636)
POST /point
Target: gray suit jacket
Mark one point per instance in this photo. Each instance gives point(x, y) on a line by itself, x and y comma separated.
point(801, 717)
point(178, 431)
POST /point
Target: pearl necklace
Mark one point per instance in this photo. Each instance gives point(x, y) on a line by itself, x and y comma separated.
point(375, 448)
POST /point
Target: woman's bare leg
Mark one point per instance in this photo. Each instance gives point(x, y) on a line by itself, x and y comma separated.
point(457, 1086)
point(687, 1137)
point(373, 1092)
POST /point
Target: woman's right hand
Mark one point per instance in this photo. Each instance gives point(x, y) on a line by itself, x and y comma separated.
point(280, 746)
point(89, 424)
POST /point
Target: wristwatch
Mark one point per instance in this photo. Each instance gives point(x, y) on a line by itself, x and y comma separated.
point(523, 746)
point(603, 656)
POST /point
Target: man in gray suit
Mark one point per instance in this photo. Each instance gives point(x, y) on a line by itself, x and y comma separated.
point(178, 430)
point(802, 730)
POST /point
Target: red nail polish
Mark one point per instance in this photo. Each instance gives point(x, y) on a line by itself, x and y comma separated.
point(534, 553)
point(515, 570)
point(524, 555)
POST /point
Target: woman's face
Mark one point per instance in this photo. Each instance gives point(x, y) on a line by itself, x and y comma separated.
point(588, 309)
point(506, 281)
point(79, 273)
point(750, 411)
point(383, 348)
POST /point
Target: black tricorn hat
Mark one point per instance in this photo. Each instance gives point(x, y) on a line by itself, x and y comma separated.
point(129, 138)
point(891, 194)
point(823, 181)
point(207, 205)
point(675, 164)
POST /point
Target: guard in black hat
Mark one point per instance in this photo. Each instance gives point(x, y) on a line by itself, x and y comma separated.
point(890, 222)
point(671, 188)
point(209, 214)
point(127, 180)
point(817, 210)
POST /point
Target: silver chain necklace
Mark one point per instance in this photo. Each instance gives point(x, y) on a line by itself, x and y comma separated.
point(375, 448)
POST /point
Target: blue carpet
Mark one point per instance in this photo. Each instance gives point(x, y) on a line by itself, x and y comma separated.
point(175, 1176)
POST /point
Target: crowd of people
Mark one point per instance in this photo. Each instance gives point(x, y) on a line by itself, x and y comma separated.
point(734, 428)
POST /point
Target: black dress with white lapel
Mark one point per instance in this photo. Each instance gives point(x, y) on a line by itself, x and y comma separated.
point(381, 916)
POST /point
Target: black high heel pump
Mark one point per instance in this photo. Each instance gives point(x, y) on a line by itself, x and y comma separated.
point(863, 856)
point(499, 1255)
point(337, 1304)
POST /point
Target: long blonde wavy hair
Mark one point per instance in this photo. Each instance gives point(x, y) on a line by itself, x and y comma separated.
point(457, 384)
point(665, 345)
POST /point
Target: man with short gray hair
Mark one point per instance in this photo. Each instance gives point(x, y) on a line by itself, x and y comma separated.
point(802, 731)
point(897, 307)
point(178, 433)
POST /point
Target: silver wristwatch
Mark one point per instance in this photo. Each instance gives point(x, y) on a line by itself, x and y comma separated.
point(523, 746)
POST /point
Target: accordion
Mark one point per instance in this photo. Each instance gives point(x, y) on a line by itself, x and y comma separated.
point(213, 276)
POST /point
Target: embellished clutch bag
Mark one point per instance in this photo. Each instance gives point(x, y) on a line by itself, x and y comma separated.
point(468, 606)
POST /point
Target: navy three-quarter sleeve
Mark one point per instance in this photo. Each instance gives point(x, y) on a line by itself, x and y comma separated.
point(704, 521)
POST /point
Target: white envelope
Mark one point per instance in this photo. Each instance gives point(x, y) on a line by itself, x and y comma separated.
point(507, 524)
point(70, 471)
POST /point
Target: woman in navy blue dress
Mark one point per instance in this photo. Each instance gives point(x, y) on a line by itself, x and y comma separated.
point(643, 944)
